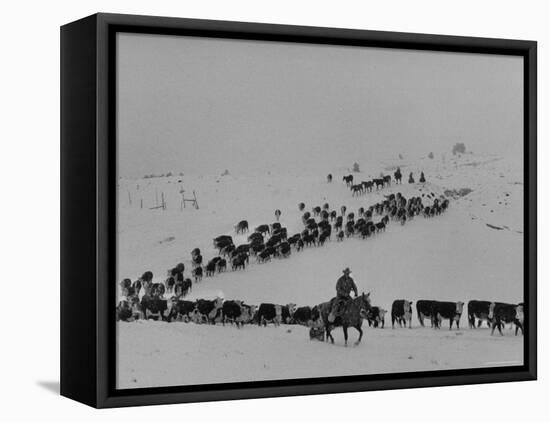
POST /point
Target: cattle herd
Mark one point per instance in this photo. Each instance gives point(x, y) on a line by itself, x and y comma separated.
point(376, 183)
point(145, 299)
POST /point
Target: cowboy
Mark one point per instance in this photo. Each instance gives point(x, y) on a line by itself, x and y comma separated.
point(344, 286)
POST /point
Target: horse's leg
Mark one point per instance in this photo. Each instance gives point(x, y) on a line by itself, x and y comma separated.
point(329, 336)
point(345, 328)
point(358, 328)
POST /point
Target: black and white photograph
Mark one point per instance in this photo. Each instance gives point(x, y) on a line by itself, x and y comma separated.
point(299, 210)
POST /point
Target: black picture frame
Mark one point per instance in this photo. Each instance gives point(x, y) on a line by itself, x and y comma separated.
point(88, 179)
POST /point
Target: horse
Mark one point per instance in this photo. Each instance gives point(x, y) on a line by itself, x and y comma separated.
point(356, 310)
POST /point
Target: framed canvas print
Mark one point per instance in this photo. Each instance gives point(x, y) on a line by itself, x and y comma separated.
point(253, 210)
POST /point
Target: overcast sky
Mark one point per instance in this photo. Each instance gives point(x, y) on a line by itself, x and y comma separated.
point(201, 105)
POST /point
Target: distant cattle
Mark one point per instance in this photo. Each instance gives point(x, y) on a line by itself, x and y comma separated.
point(197, 260)
point(241, 226)
point(263, 256)
point(183, 287)
point(263, 229)
point(222, 265)
point(447, 310)
point(197, 273)
point(329, 178)
point(210, 269)
point(239, 262)
point(478, 309)
point(381, 226)
point(356, 190)
point(169, 284)
point(277, 214)
point(379, 183)
point(195, 251)
point(401, 312)
point(368, 185)
point(222, 240)
point(348, 179)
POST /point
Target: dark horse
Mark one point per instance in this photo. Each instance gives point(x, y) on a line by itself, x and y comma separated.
point(356, 310)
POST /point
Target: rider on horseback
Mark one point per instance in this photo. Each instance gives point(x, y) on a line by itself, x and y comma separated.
point(344, 286)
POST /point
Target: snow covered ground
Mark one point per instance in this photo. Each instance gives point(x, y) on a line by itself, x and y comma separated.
point(473, 251)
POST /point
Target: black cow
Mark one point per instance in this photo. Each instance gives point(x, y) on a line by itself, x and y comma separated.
point(195, 252)
point(256, 237)
point(197, 273)
point(302, 316)
point(239, 262)
point(380, 226)
point(183, 287)
point(367, 186)
point(222, 240)
point(210, 268)
point(379, 183)
point(277, 314)
point(301, 206)
point(376, 317)
point(401, 312)
point(181, 309)
point(505, 313)
point(197, 260)
point(231, 311)
point(154, 307)
point(169, 284)
point(329, 178)
point(263, 229)
point(208, 310)
point(424, 309)
point(124, 311)
point(447, 310)
point(147, 277)
point(222, 265)
point(478, 309)
point(264, 256)
point(241, 226)
point(284, 249)
point(157, 290)
point(356, 190)
point(348, 179)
